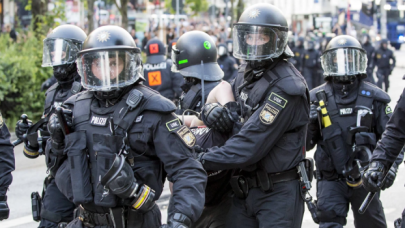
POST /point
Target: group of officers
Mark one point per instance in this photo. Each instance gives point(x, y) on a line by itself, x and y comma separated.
point(110, 141)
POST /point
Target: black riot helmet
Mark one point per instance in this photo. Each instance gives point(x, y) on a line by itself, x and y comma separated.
point(261, 33)
point(365, 39)
point(155, 51)
point(60, 50)
point(229, 45)
point(384, 41)
point(310, 45)
point(344, 57)
point(109, 60)
point(300, 42)
point(222, 50)
point(195, 56)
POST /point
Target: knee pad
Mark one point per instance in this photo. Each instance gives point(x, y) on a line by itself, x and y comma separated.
point(330, 216)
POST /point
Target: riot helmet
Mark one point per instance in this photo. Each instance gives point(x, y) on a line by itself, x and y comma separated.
point(345, 58)
point(109, 60)
point(310, 45)
point(222, 50)
point(155, 51)
point(60, 50)
point(261, 33)
point(300, 42)
point(384, 44)
point(365, 39)
point(229, 45)
point(195, 56)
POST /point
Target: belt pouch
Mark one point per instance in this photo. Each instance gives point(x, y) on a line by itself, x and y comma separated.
point(79, 167)
point(336, 146)
point(106, 147)
point(36, 203)
point(239, 186)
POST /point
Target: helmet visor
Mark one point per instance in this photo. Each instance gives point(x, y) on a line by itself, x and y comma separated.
point(176, 62)
point(58, 52)
point(253, 42)
point(109, 70)
point(222, 50)
point(343, 62)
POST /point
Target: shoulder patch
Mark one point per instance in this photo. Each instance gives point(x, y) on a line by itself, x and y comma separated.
point(1, 121)
point(268, 114)
point(187, 136)
point(173, 124)
point(277, 99)
point(388, 110)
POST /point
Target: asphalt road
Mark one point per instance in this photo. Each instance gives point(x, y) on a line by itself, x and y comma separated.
point(30, 173)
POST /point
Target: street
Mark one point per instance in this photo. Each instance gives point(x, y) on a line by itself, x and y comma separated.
point(30, 173)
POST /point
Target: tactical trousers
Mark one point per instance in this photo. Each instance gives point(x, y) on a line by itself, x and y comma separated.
point(215, 216)
point(56, 207)
point(337, 195)
point(382, 76)
point(281, 208)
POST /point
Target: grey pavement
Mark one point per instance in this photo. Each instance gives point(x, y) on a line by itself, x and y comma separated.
point(30, 173)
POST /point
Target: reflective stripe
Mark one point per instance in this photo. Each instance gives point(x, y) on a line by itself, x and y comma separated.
point(140, 201)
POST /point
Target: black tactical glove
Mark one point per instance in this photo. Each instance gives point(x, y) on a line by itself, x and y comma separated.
point(21, 128)
point(178, 220)
point(392, 173)
point(373, 176)
point(199, 152)
point(313, 113)
point(217, 117)
point(4, 210)
point(55, 129)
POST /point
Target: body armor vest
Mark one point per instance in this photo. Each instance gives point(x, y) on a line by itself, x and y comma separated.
point(337, 141)
point(103, 131)
point(192, 99)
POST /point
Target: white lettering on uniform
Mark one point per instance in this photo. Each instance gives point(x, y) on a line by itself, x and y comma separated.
point(346, 111)
point(98, 121)
point(157, 66)
point(243, 96)
point(278, 100)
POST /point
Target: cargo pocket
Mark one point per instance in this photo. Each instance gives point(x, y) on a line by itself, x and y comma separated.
point(63, 180)
point(336, 146)
point(105, 147)
point(79, 167)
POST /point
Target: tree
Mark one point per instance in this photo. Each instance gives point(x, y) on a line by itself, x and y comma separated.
point(197, 6)
point(122, 7)
point(240, 7)
point(90, 14)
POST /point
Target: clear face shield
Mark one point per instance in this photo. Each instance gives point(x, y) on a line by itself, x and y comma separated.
point(58, 52)
point(109, 70)
point(253, 42)
point(175, 54)
point(344, 62)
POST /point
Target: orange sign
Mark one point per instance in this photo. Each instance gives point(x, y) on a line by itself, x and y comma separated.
point(154, 48)
point(154, 78)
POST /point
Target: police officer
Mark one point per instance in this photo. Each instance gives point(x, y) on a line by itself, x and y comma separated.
point(170, 46)
point(384, 161)
point(7, 165)
point(357, 114)
point(298, 51)
point(60, 52)
point(121, 140)
point(198, 65)
point(310, 64)
point(157, 71)
point(368, 47)
point(274, 109)
point(382, 59)
point(229, 44)
point(227, 63)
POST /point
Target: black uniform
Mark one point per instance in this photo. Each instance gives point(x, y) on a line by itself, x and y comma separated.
point(333, 193)
point(7, 165)
point(56, 207)
point(157, 71)
point(370, 56)
point(160, 78)
point(48, 83)
point(157, 140)
point(297, 60)
point(382, 59)
point(310, 66)
point(271, 142)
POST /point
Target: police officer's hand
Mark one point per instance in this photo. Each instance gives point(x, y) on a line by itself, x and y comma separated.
point(21, 128)
point(55, 129)
point(392, 173)
point(4, 210)
point(199, 152)
point(217, 117)
point(373, 176)
point(178, 220)
point(313, 113)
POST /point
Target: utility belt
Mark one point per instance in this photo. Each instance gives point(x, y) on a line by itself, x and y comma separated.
point(260, 179)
